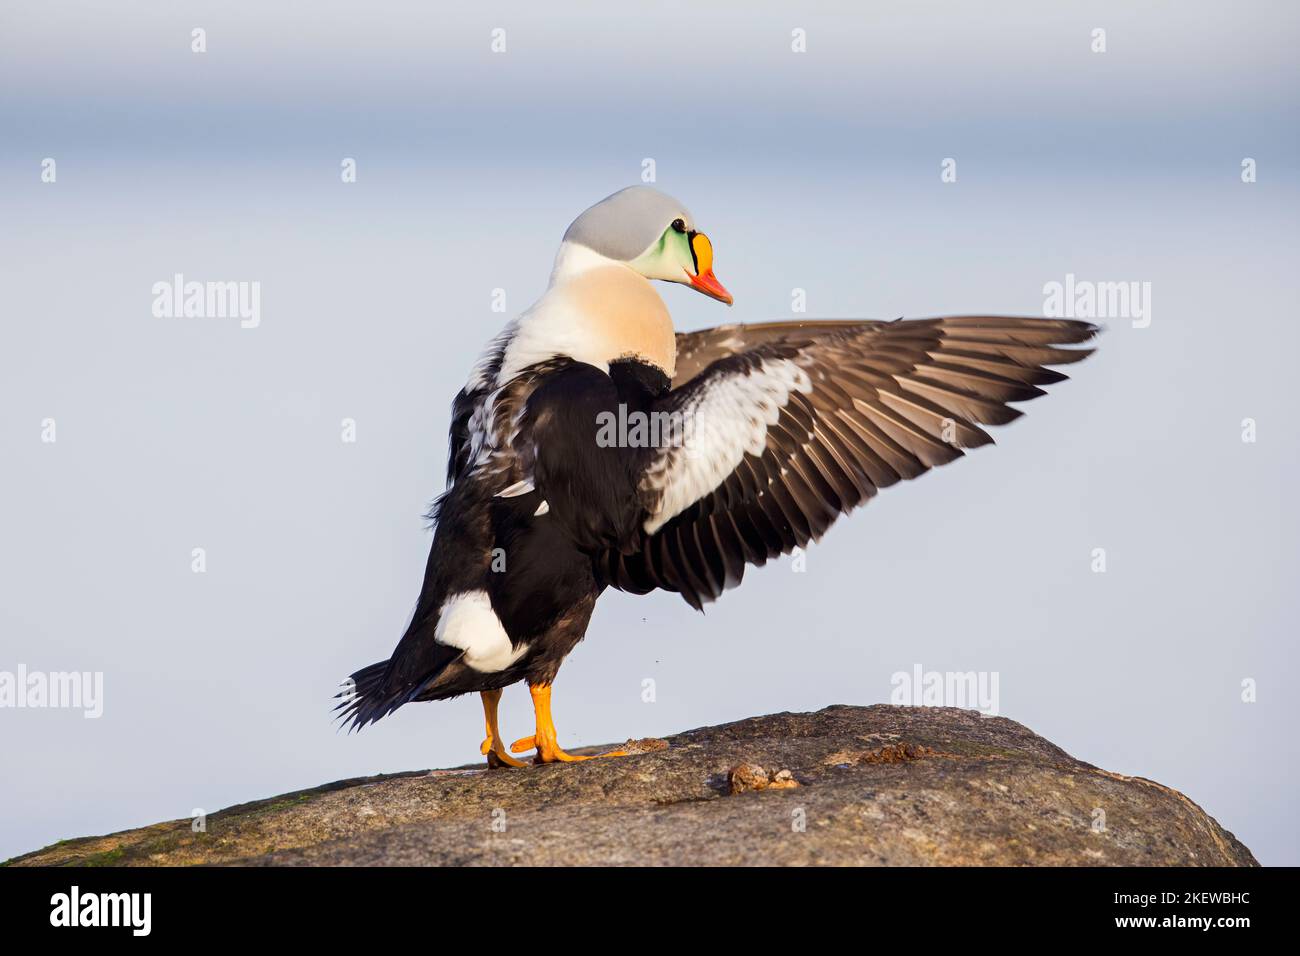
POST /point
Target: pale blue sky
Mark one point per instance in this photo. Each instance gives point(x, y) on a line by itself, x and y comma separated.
point(818, 171)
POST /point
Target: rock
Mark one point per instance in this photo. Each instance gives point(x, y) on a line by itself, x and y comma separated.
point(747, 776)
point(845, 785)
point(750, 776)
point(783, 780)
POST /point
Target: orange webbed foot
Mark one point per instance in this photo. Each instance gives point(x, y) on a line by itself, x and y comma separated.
point(544, 741)
point(493, 747)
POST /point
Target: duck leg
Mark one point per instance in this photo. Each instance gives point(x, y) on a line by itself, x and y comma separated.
point(494, 748)
point(545, 740)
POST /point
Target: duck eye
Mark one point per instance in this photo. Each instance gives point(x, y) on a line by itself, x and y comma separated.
point(679, 225)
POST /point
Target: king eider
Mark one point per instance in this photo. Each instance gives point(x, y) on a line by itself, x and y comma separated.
point(594, 447)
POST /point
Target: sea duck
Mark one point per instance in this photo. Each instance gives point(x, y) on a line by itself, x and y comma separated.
point(595, 447)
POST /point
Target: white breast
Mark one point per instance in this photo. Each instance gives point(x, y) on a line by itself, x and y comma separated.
point(595, 311)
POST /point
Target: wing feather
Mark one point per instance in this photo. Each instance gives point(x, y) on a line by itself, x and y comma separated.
point(799, 422)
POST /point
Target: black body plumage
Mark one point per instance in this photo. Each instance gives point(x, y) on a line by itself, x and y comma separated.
point(799, 423)
point(538, 570)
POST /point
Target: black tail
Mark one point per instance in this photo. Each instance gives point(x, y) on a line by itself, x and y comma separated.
point(416, 671)
point(365, 697)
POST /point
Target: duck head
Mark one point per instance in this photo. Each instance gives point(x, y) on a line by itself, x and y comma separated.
point(654, 235)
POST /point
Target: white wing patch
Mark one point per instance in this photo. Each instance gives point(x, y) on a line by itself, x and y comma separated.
point(467, 621)
point(727, 419)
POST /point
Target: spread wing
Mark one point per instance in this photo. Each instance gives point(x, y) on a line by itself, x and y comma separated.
point(785, 426)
